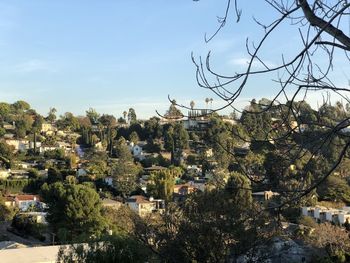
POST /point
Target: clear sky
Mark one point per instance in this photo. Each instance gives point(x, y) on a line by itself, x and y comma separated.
point(115, 54)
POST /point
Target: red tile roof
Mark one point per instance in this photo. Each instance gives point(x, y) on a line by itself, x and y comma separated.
point(138, 199)
point(28, 197)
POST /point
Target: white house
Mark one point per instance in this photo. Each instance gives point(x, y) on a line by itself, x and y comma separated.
point(322, 214)
point(19, 145)
point(23, 202)
point(144, 206)
point(135, 149)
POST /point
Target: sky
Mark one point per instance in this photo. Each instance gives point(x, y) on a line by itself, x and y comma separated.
point(112, 55)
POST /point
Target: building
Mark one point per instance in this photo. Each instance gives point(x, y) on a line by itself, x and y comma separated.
point(144, 206)
point(323, 214)
point(24, 202)
point(48, 128)
point(19, 145)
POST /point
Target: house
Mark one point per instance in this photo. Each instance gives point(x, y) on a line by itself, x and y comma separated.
point(65, 146)
point(48, 128)
point(24, 202)
point(9, 127)
point(181, 191)
point(144, 206)
point(137, 150)
point(19, 174)
point(184, 189)
point(324, 214)
point(197, 120)
point(19, 145)
point(26, 165)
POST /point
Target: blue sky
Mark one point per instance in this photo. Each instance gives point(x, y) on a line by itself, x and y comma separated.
point(115, 54)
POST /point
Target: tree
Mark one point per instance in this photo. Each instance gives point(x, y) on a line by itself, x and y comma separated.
point(322, 28)
point(153, 128)
point(93, 115)
point(74, 211)
point(132, 116)
point(106, 250)
point(6, 213)
point(109, 122)
point(134, 137)
point(333, 239)
point(125, 175)
point(68, 122)
point(51, 116)
point(122, 151)
point(21, 106)
point(6, 154)
point(220, 215)
point(334, 189)
point(5, 109)
point(175, 141)
point(192, 104)
point(161, 184)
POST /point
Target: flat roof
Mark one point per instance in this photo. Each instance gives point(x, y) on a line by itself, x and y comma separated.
point(30, 255)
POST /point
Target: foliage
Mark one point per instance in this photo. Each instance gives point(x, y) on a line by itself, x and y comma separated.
point(74, 211)
point(27, 225)
point(6, 213)
point(333, 239)
point(21, 185)
point(121, 220)
point(107, 250)
point(125, 174)
point(132, 116)
point(161, 183)
point(134, 137)
point(335, 189)
point(219, 216)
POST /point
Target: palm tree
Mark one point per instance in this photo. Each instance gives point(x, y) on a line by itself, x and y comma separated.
point(192, 104)
point(207, 101)
point(211, 102)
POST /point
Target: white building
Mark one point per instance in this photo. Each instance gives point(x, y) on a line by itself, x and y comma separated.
point(24, 202)
point(144, 206)
point(19, 145)
point(324, 214)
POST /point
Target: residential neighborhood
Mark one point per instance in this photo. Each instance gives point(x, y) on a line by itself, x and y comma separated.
point(195, 131)
point(123, 173)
